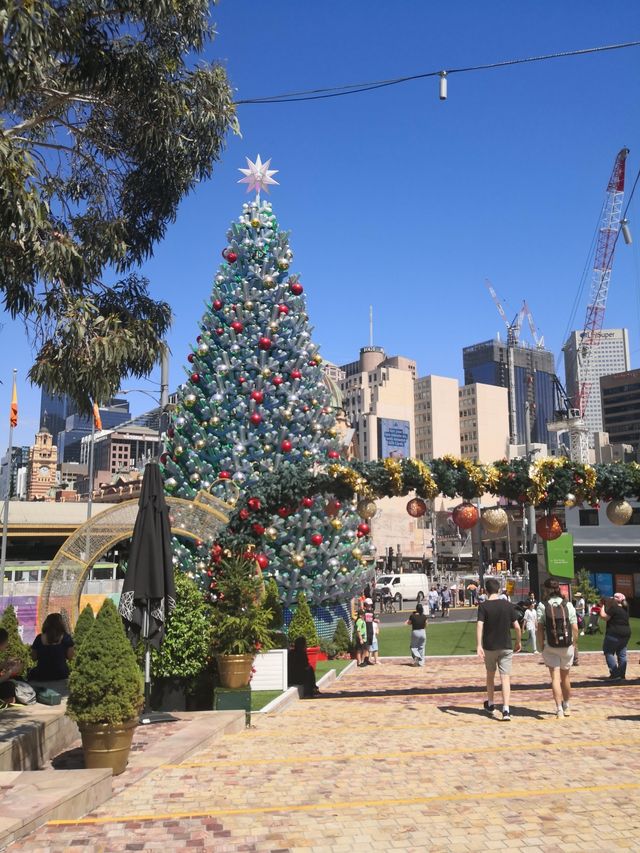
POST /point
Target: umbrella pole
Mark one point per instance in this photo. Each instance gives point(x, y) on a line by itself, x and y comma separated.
point(148, 716)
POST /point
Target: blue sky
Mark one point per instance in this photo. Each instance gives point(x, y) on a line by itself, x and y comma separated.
point(398, 200)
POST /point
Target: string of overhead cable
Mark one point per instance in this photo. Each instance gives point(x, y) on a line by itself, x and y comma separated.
point(357, 88)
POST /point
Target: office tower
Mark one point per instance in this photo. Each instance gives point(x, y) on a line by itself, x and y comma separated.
point(9, 471)
point(436, 417)
point(620, 394)
point(54, 412)
point(610, 355)
point(77, 426)
point(484, 422)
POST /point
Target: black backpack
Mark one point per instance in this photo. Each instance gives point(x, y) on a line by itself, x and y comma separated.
point(557, 626)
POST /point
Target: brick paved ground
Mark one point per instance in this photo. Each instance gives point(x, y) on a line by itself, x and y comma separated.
point(393, 757)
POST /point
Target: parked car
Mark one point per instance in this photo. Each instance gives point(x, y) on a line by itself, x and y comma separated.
point(412, 586)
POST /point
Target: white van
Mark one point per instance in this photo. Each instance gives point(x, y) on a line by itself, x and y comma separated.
point(412, 586)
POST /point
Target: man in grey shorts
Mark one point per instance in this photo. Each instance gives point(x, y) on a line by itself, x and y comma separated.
point(496, 618)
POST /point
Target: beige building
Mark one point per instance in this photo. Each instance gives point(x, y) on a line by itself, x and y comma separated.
point(378, 398)
point(484, 422)
point(436, 417)
point(41, 469)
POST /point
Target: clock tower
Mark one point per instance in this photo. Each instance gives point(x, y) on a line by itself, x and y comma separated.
point(41, 476)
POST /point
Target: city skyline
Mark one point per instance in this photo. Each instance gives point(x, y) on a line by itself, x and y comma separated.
point(406, 202)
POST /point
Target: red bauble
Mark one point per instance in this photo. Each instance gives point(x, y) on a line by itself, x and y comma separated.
point(232, 257)
point(217, 304)
point(416, 507)
point(285, 445)
point(284, 511)
point(333, 508)
point(465, 516)
point(255, 418)
point(316, 539)
point(171, 432)
point(258, 529)
point(333, 454)
point(307, 502)
point(190, 358)
point(364, 529)
point(295, 374)
point(257, 396)
point(224, 475)
point(283, 309)
point(195, 377)
point(237, 326)
point(296, 288)
point(548, 527)
point(254, 504)
point(265, 343)
point(262, 560)
point(241, 380)
point(277, 380)
point(199, 338)
point(219, 331)
point(243, 514)
point(164, 458)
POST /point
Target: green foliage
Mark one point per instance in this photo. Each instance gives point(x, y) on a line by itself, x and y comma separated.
point(583, 585)
point(16, 650)
point(105, 685)
point(302, 624)
point(272, 602)
point(186, 647)
point(329, 648)
point(341, 637)
point(86, 621)
point(240, 621)
point(108, 119)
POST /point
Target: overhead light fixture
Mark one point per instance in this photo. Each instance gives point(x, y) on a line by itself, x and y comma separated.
point(626, 232)
point(443, 85)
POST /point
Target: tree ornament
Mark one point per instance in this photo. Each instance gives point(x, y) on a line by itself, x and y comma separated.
point(316, 539)
point(170, 484)
point(262, 560)
point(333, 508)
point(297, 560)
point(619, 512)
point(548, 527)
point(254, 504)
point(494, 520)
point(258, 529)
point(194, 478)
point(307, 502)
point(217, 304)
point(243, 514)
point(237, 326)
point(284, 511)
point(255, 418)
point(277, 380)
point(203, 348)
point(255, 222)
point(232, 257)
point(274, 326)
point(219, 331)
point(416, 508)
point(285, 445)
point(265, 343)
point(357, 553)
point(283, 264)
point(248, 305)
point(295, 374)
point(190, 358)
point(366, 508)
point(295, 287)
point(333, 454)
point(268, 282)
point(336, 524)
point(224, 475)
point(465, 515)
point(364, 529)
point(195, 377)
point(283, 309)
point(257, 396)
point(570, 501)
point(190, 400)
point(271, 533)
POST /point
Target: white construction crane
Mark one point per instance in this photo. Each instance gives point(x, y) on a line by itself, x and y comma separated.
point(513, 336)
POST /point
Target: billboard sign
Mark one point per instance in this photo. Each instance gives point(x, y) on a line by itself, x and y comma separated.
point(393, 439)
point(559, 556)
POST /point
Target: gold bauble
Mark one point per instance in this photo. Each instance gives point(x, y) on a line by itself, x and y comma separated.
point(248, 305)
point(336, 523)
point(298, 560)
point(274, 326)
point(366, 509)
point(266, 373)
point(200, 443)
point(215, 420)
point(271, 533)
point(268, 282)
point(190, 400)
point(255, 223)
point(283, 264)
point(317, 358)
point(287, 414)
point(307, 453)
point(267, 448)
point(570, 501)
point(333, 432)
point(619, 512)
point(357, 553)
point(494, 520)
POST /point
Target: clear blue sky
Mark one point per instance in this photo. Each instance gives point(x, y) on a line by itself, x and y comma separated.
point(398, 200)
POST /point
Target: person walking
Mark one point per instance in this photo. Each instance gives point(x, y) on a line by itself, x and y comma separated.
point(580, 607)
point(616, 639)
point(496, 618)
point(433, 601)
point(418, 622)
point(530, 624)
point(360, 638)
point(557, 634)
point(446, 602)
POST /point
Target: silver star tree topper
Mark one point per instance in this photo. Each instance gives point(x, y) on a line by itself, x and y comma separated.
point(258, 176)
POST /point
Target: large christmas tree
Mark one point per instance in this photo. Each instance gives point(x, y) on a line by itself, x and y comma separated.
point(255, 402)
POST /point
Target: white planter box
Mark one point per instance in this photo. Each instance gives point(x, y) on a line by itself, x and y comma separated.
point(270, 670)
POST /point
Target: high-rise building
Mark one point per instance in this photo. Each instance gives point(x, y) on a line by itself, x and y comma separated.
point(41, 475)
point(54, 412)
point(9, 471)
point(78, 426)
point(436, 417)
point(534, 380)
point(484, 422)
point(620, 395)
point(610, 355)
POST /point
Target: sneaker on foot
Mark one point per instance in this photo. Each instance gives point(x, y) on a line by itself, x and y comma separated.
point(506, 716)
point(489, 708)
point(560, 713)
point(566, 710)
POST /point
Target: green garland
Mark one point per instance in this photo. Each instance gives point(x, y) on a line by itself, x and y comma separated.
point(546, 483)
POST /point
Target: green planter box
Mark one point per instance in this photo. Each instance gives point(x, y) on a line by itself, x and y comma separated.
point(227, 699)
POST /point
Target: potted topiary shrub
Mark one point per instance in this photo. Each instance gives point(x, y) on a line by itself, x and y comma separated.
point(106, 692)
point(181, 667)
point(302, 625)
point(342, 640)
point(16, 651)
point(270, 667)
point(84, 624)
point(240, 622)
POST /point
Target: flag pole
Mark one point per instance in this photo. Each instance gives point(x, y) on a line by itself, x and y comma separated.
point(13, 421)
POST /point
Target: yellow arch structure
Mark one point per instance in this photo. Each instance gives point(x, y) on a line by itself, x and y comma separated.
point(199, 519)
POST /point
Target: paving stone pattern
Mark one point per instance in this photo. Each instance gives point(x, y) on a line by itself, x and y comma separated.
point(395, 757)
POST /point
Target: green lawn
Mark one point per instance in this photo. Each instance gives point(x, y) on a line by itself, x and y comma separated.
point(459, 638)
point(260, 698)
point(323, 667)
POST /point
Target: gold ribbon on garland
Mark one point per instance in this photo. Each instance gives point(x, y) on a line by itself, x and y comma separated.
point(429, 486)
point(394, 470)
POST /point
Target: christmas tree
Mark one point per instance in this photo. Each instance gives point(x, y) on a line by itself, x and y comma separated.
point(255, 402)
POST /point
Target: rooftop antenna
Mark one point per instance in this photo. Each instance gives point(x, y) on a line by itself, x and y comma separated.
point(370, 325)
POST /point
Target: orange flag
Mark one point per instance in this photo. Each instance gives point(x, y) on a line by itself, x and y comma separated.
point(13, 416)
point(97, 420)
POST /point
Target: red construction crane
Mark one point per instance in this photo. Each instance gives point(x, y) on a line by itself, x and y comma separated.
point(603, 262)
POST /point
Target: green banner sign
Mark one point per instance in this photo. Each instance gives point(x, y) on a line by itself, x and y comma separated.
point(559, 556)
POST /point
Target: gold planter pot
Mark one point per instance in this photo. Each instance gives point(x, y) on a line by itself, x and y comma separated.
point(106, 745)
point(234, 670)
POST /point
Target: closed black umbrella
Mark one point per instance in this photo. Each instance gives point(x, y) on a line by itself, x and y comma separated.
point(148, 593)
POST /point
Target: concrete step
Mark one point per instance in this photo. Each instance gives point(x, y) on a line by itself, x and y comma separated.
point(31, 734)
point(28, 799)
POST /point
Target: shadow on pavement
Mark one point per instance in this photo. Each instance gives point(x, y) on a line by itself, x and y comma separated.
point(480, 712)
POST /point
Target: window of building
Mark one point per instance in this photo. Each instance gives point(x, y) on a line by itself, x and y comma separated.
point(635, 516)
point(589, 518)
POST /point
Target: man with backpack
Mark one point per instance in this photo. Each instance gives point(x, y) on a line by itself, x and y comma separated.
point(557, 635)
